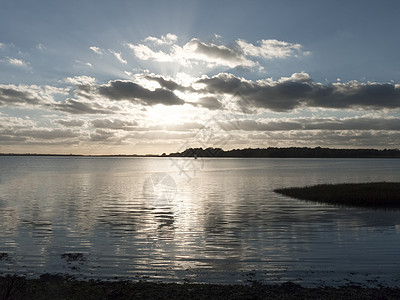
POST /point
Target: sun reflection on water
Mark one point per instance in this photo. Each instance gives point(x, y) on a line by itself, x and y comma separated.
point(221, 224)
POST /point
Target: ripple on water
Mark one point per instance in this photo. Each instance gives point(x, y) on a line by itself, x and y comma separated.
point(223, 224)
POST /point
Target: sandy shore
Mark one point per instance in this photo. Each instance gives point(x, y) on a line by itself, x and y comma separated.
point(60, 287)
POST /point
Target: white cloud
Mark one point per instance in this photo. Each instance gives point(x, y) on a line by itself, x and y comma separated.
point(164, 40)
point(80, 80)
point(86, 64)
point(195, 52)
point(16, 123)
point(114, 124)
point(130, 74)
point(41, 47)
point(17, 62)
point(145, 53)
point(118, 56)
point(269, 48)
point(70, 122)
point(1, 45)
point(96, 50)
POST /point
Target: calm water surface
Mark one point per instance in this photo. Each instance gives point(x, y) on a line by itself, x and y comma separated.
point(204, 220)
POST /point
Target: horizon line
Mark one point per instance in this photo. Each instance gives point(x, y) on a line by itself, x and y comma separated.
point(174, 153)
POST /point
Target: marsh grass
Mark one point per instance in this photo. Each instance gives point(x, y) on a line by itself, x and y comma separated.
point(373, 194)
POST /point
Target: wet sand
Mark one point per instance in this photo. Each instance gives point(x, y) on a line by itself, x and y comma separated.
point(62, 287)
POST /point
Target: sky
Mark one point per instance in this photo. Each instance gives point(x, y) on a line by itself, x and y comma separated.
point(125, 77)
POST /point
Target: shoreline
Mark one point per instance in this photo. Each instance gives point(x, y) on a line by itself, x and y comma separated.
point(270, 152)
point(377, 195)
point(189, 157)
point(63, 287)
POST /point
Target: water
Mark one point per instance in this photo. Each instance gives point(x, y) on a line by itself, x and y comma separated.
point(186, 220)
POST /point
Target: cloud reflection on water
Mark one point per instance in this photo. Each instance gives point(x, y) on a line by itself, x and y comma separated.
point(223, 222)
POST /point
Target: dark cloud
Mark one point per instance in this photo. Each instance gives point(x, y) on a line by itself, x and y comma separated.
point(353, 124)
point(11, 139)
point(299, 90)
point(87, 91)
point(354, 95)
point(10, 95)
point(330, 124)
point(115, 124)
point(166, 83)
point(37, 134)
point(127, 90)
point(101, 135)
point(323, 138)
point(233, 55)
point(76, 107)
point(254, 125)
point(209, 102)
point(48, 134)
point(225, 83)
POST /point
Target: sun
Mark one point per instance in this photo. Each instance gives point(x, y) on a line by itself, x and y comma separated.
point(160, 114)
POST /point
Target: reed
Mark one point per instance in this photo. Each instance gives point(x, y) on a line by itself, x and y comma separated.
point(372, 194)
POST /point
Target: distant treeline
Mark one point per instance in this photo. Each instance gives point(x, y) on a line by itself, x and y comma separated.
point(292, 152)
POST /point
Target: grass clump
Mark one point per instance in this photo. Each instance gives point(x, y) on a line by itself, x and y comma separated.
point(372, 194)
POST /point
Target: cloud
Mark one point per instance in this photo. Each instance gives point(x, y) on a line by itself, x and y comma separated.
point(41, 47)
point(96, 50)
point(71, 123)
point(365, 123)
point(100, 135)
point(216, 54)
point(15, 122)
point(209, 102)
point(185, 126)
point(28, 95)
point(281, 95)
point(162, 135)
point(164, 40)
point(195, 51)
point(143, 52)
point(39, 134)
point(49, 134)
point(269, 49)
point(79, 80)
point(17, 62)
point(128, 90)
point(13, 95)
point(309, 124)
point(118, 56)
point(299, 90)
point(332, 139)
point(254, 125)
point(84, 64)
point(167, 83)
point(356, 95)
point(11, 139)
point(77, 107)
point(114, 124)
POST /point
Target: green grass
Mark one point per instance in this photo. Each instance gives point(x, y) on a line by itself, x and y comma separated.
point(373, 194)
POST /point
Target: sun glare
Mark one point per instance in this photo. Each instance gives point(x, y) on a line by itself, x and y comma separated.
point(166, 115)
